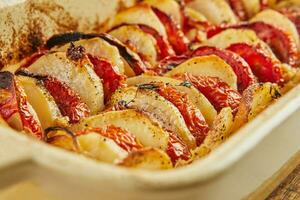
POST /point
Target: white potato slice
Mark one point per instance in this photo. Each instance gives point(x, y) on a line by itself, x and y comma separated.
point(42, 102)
point(133, 122)
point(287, 3)
point(232, 36)
point(255, 99)
point(251, 6)
point(99, 47)
point(139, 41)
point(216, 11)
point(61, 137)
point(99, 147)
point(170, 7)
point(220, 131)
point(207, 66)
point(141, 14)
point(197, 98)
point(192, 13)
point(79, 76)
point(157, 109)
point(148, 158)
point(91, 144)
point(278, 20)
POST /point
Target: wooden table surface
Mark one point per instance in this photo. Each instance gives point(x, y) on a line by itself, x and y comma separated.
point(289, 189)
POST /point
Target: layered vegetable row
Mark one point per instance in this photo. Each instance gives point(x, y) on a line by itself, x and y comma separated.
point(164, 84)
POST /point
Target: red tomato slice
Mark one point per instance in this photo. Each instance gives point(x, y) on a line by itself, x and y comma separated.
point(263, 67)
point(30, 124)
point(239, 65)
point(112, 80)
point(190, 113)
point(68, 102)
point(239, 9)
point(177, 149)
point(121, 137)
point(169, 63)
point(175, 35)
point(216, 91)
point(163, 47)
point(13, 100)
point(280, 42)
point(31, 59)
point(8, 99)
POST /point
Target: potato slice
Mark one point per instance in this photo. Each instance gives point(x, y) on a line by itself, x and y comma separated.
point(15, 109)
point(170, 7)
point(61, 137)
point(194, 95)
point(232, 36)
point(287, 3)
point(277, 19)
point(251, 6)
point(255, 99)
point(99, 147)
point(99, 47)
point(207, 66)
point(133, 122)
point(139, 41)
point(194, 14)
point(141, 14)
point(42, 102)
point(79, 76)
point(216, 11)
point(148, 158)
point(91, 144)
point(157, 109)
point(220, 131)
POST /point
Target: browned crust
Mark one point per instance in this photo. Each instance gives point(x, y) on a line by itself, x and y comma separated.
point(26, 26)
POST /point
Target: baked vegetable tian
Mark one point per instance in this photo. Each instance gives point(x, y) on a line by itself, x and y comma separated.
point(163, 84)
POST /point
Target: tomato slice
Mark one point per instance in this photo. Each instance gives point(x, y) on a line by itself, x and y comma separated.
point(30, 124)
point(175, 35)
point(31, 59)
point(121, 137)
point(162, 46)
point(169, 63)
point(8, 99)
point(111, 79)
point(177, 149)
point(263, 4)
point(263, 67)
point(239, 9)
point(13, 100)
point(216, 91)
point(239, 65)
point(68, 102)
point(137, 65)
point(280, 42)
point(190, 113)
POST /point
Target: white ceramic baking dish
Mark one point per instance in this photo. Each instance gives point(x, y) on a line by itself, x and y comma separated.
point(233, 171)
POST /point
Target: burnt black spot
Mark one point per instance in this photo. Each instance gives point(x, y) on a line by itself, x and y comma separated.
point(61, 39)
point(186, 84)
point(6, 80)
point(148, 86)
point(75, 52)
point(29, 74)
